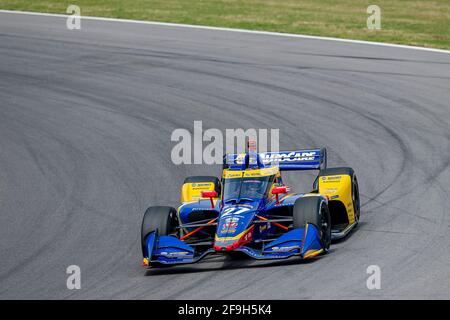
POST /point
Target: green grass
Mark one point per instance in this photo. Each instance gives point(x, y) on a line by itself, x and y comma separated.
point(420, 23)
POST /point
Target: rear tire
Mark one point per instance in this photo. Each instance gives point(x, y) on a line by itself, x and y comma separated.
point(355, 197)
point(314, 210)
point(161, 218)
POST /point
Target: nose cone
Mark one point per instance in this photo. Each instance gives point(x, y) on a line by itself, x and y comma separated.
point(234, 229)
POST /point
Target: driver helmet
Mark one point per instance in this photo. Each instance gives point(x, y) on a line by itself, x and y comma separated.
point(253, 186)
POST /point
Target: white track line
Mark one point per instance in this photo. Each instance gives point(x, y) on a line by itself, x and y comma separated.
point(178, 25)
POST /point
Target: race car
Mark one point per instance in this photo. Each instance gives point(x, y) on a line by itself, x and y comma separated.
point(251, 210)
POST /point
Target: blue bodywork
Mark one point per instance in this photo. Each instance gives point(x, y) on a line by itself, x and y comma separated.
point(297, 242)
point(248, 225)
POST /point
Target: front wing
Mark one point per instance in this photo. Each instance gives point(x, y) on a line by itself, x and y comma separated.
point(169, 250)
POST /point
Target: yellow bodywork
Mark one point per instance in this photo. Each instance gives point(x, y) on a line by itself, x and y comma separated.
point(312, 253)
point(339, 188)
point(192, 191)
point(250, 173)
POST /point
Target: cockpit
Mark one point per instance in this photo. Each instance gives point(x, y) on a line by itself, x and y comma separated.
point(246, 188)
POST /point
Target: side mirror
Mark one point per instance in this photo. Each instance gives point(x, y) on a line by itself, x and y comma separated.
point(209, 194)
point(279, 190)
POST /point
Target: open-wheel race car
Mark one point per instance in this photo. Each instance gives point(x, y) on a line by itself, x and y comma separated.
point(251, 210)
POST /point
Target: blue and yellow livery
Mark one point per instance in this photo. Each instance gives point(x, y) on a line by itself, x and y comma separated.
point(251, 210)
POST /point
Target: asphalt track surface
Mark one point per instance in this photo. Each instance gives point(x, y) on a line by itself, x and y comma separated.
point(85, 123)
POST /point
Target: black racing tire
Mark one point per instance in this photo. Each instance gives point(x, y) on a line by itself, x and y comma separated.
point(199, 179)
point(314, 210)
point(161, 218)
point(355, 187)
point(356, 200)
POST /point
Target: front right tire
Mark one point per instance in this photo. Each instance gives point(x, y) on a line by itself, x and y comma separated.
point(161, 218)
point(314, 210)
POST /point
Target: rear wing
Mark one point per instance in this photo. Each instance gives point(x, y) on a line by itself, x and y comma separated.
point(313, 159)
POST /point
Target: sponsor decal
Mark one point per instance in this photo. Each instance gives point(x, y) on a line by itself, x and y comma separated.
point(284, 249)
point(232, 175)
point(207, 184)
point(289, 157)
point(230, 224)
point(248, 236)
point(252, 174)
point(197, 209)
point(175, 254)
